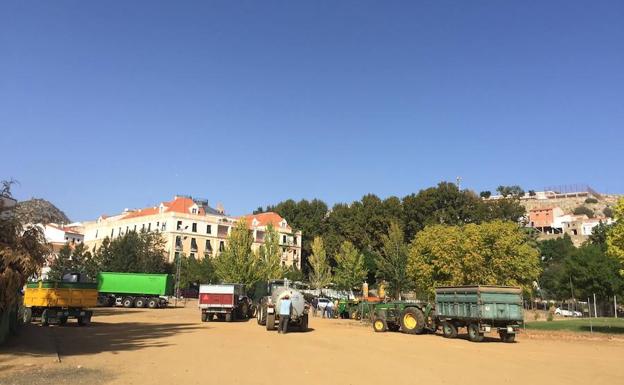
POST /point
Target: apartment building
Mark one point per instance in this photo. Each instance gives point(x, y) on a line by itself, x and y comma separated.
point(193, 228)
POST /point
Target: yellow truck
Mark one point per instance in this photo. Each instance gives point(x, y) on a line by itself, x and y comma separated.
point(56, 302)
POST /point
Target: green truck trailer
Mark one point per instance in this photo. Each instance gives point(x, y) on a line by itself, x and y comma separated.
point(134, 289)
point(480, 309)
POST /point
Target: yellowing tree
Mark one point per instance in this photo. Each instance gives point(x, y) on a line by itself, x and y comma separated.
point(270, 255)
point(238, 263)
point(492, 253)
point(320, 274)
point(615, 237)
point(350, 270)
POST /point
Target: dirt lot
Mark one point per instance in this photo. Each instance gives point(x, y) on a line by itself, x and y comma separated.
point(169, 346)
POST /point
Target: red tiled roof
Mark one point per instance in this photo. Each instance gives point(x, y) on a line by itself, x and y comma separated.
point(264, 219)
point(65, 229)
point(177, 205)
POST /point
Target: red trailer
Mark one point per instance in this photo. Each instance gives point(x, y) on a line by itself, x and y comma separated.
point(227, 302)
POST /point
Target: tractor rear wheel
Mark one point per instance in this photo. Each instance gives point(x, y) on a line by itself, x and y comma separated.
point(380, 325)
point(474, 334)
point(449, 330)
point(261, 315)
point(412, 321)
point(270, 322)
point(27, 315)
point(45, 321)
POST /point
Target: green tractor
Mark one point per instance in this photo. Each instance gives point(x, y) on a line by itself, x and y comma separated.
point(406, 317)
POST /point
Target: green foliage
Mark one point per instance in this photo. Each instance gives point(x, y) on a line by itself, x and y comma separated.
point(581, 325)
point(293, 274)
point(350, 271)
point(554, 282)
point(514, 191)
point(270, 255)
point(608, 212)
point(591, 200)
point(584, 210)
point(320, 271)
point(74, 260)
point(492, 253)
point(134, 252)
point(599, 235)
point(237, 263)
point(195, 271)
point(485, 194)
point(615, 238)
point(392, 261)
point(532, 193)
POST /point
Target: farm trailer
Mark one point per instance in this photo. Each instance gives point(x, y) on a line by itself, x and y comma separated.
point(134, 289)
point(56, 302)
point(227, 302)
point(480, 309)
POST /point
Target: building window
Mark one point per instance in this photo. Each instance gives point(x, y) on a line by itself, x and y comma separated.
point(178, 243)
point(112, 233)
point(149, 226)
point(119, 233)
point(208, 229)
point(127, 229)
point(176, 256)
point(96, 233)
point(194, 211)
point(143, 227)
point(295, 240)
point(194, 227)
point(284, 239)
point(179, 226)
point(208, 246)
point(157, 225)
point(193, 244)
point(135, 228)
point(192, 255)
point(67, 238)
point(221, 246)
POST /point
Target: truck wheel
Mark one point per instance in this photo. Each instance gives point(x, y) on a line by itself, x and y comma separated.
point(128, 302)
point(62, 320)
point(507, 337)
point(304, 323)
point(474, 334)
point(270, 322)
point(449, 330)
point(261, 316)
point(27, 315)
point(140, 302)
point(380, 325)
point(152, 303)
point(412, 321)
point(228, 317)
point(45, 321)
point(204, 317)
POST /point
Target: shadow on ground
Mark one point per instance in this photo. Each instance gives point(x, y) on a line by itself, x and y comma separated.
point(73, 340)
point(74, 376)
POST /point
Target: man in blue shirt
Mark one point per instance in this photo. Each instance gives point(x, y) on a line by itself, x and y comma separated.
point(284, 314)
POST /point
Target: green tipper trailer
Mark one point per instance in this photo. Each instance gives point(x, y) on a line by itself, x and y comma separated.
point(480, 309)
point(134, 289)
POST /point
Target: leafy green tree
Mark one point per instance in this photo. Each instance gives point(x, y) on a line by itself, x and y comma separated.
point(238, 263)
point(270, 255)
point(615, 237)
point(74, 260)
point(392, 261)
point(491, 253)
point(514, 191)
point(555, 281)
point(600, 234)
point(293, 274)
point(320, 271)
point(485, 194)
point(591, 271)
point(584, 210)
point(350, 271)
point(195, 271)
point(608, 212)
point(134, 252)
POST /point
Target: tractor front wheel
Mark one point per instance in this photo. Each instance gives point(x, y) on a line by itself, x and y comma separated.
point(380, 325)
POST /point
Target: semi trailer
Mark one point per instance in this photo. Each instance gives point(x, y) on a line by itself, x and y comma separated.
point(134, 289)
point(55, 302)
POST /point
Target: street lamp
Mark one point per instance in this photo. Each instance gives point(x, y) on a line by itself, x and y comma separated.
point(178, 268)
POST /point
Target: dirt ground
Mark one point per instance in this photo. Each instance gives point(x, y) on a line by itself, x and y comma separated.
point(172, 346)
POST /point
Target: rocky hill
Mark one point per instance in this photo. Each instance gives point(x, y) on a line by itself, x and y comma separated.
point(39, 211)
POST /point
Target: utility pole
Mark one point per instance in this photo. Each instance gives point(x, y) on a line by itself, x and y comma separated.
point(615, 305)
point(595, 308)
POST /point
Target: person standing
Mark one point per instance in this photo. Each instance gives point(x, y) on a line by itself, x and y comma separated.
point(329, 308)
point(284, 314)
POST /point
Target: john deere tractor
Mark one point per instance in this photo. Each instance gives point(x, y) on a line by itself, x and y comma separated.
point(406, 317)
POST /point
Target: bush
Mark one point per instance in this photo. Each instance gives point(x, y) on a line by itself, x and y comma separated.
point(591, 200)
point(584, 210)
point(608, 212)
point(551, 314)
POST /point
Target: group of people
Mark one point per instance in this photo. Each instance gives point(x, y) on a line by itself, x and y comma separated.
point(326, 309)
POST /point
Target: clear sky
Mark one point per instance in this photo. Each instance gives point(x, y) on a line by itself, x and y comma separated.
point(112, 104)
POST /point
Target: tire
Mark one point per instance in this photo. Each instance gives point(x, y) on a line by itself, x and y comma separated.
point(270, 322)
point(474, 334)
point(85, 320)
point(127, 302)
point(228, 317)
point(62, 320)
point(152, 303)
point(44, 318)
point(27, 316)
point(380, 325)
point(261, 316)
point(140, 302)
point(449, 330)
point(304, 323)
point(412, 321)
point(204, 317)
point(507, 337)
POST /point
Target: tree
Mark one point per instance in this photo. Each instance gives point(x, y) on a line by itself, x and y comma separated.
point(270, 255)
point(608, 212)
point(195, 271)
point(600, 234)
point(591, 271)
point(134, 252)
point(485, 194)
point(555, 281)
point(238, 263)
point(350, 271)
point(532, 193)
point(492, 253)
point(584, 210)
point(615, 238)
point(392, 261)
point(514, 191)
point(320, 271)
point(73, 260)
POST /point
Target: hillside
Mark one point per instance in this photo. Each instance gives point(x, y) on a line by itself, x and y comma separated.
point(39, 211)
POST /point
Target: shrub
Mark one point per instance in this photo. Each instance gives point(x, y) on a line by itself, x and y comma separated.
point(551, 314)
point(608, 212)
point(591, 200)
point(584, 210)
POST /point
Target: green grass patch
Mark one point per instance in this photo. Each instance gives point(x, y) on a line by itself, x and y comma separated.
point(580, 325)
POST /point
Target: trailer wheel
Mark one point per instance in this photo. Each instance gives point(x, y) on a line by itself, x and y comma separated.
point(44, 318)
point(140, 302)
point(127, 302)
point(270, 322)
point(84, 320)
point(204, 317)
point(380, 325)
point(228, 317)
point(152, 303)
point(449, 330)
point(474, 334)
point(62, 320)
point(507, 337)
point(412, 321)
point(27, 316)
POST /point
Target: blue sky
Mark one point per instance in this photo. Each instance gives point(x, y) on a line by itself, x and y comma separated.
point(113, 104)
